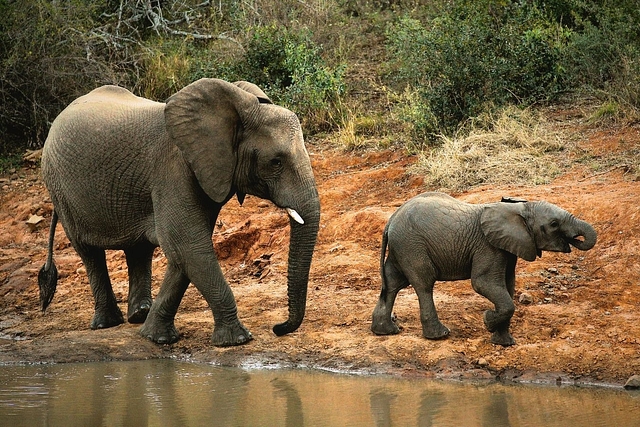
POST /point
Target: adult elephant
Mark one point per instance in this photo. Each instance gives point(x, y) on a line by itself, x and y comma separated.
point(436, 237)
point(128, 173)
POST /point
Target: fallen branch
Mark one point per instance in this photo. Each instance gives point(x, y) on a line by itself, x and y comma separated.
point(611, 169)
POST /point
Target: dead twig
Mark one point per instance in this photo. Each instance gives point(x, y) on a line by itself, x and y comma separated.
point(604, 172)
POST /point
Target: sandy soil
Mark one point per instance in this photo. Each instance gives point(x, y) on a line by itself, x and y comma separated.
point(582, 325)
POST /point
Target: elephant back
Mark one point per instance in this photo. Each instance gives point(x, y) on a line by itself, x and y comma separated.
point(101, 149)
point(103, 121)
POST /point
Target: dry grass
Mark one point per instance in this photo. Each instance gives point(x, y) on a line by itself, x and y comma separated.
point(516, 146)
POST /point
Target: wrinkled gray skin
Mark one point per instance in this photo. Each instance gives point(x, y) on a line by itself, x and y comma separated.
point(128, 173)
point(436, 237)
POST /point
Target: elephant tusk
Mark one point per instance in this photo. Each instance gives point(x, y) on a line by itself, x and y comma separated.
point(295, 215)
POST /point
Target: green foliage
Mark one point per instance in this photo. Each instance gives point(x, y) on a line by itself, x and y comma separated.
point(604, 50)
point(166, 70)
point(447, 61)
point(288, 65)
point(9, 162)
point(475, 56)
point(43, 65)
point(471, 59)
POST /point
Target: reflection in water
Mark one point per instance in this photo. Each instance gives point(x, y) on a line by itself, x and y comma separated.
point(169, 393)
point(284, 388)
point(381, 401)
point(496, 413)
point(431, 403)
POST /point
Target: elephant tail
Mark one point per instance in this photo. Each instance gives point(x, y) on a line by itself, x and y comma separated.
point(48, 275)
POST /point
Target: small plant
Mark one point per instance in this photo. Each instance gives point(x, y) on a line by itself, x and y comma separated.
point(9, 162)
point(607, 112)
point(166, 71)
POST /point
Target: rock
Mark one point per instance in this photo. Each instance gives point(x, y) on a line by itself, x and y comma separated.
point(33, 222)
point(633, 383)
point(525, 298)
point(32, 156)
point(482, 362)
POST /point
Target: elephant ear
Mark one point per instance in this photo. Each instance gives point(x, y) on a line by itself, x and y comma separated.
point(204, 119)
point(254, 90)
point(504, 225)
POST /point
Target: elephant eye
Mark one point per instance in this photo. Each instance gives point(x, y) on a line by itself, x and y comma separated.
point(554, 223)
point(276, 162)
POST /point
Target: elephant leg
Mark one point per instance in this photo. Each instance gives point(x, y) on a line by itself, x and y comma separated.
point(159, 325)
point(228, 330)
point(423, 281)
point(139, 266)
point(510, 275)
point(393, 281)
point(497, 321)
point(107, 313)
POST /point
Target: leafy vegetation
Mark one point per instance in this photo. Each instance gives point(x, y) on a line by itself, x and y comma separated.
point(477, 56)
point(408, 72)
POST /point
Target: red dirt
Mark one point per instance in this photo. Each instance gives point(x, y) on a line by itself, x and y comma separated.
point(582, 326)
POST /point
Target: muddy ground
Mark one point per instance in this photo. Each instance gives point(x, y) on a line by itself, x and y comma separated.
point(581, 325)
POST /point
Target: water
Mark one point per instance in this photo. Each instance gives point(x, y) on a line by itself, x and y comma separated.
point(171, 393)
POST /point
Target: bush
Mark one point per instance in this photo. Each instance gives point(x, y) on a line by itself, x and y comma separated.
point(603, 53)
point(286, 64)
point(473, 57)
point(53, 52)
point(469, 60)
point(289, 67)
point(45, 62)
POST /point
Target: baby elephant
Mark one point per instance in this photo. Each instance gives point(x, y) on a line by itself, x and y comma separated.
point(436, 237)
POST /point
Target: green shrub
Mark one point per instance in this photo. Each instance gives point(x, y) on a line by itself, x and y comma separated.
point(45, 62)
point(604, 50)
point(474, 56)
point(285, 63)
point(471, 59)
point(166, 71)
point(9, 162)
point(288, 65)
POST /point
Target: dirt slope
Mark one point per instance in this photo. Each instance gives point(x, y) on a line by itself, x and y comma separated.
point(583, 324)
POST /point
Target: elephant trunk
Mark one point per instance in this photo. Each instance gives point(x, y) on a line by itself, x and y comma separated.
point(302, 242)
point(582, 229)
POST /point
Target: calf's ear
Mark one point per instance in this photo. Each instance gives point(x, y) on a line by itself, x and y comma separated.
point(505, 227)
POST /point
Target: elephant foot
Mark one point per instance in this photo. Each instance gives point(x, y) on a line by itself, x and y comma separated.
point(384, 325)
point(502, 338)
point(138, 313)
point(436, 331)
point(107, 319)
point(166, 334)
point(495, 321)
point(225, 335)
